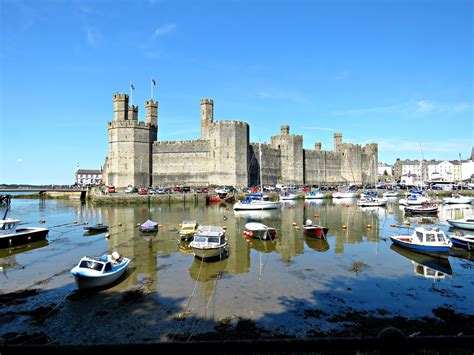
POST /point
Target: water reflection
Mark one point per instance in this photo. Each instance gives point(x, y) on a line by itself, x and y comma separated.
point(320, 245)
point(425, 265)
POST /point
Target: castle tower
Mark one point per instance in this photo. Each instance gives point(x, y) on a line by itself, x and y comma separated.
point(128, 159)
point(152, 112)
point(120, 107)
point(133, 112)
point(337, 141)
point(317, 146)
point(207, 116)
point(285, 130)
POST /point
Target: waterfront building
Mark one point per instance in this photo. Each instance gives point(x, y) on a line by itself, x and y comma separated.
point(384, 169)
point(224, 155)
point(89, 177)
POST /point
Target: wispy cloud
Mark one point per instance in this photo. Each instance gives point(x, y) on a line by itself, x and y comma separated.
point(408, 108)
point(341, 75)
point(318, 128)
point(93, 36)
point(163, 30)
point(19, 160)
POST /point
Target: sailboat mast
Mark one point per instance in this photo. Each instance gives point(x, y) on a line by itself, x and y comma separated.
point(260, 155)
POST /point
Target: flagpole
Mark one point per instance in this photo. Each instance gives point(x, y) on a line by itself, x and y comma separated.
point(151, 83)
point(131, 93)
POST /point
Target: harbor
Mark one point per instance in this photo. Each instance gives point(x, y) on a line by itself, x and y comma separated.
point(352, 283)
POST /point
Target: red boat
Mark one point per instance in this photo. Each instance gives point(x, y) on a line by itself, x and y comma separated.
point(315, 230)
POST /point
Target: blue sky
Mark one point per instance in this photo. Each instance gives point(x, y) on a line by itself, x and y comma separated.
point(397, 73)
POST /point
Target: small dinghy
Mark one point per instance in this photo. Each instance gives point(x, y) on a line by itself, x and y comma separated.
point(148, 227)
point(464, 223)
point(462, 241)
point(314, 230)
point(93, 272)
point(96, 228)
point(259, 231)
point(187, 230)
point(421, 209)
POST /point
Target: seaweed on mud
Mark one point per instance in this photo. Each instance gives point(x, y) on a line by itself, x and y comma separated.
point(133, 296)
point(357, 266)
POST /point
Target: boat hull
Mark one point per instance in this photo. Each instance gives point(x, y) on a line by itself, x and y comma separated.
point(23, 236)
point(319, 195)
point(438, 251)
point(458, 200)
point(238, 206)
point(462, 225)
point(210, 253)
point(318, 232)
point(463, 242)
point(84, 282)
point(344, 195)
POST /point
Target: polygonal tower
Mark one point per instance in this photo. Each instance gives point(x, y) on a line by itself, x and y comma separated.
point(130, 141)
point(207, 116)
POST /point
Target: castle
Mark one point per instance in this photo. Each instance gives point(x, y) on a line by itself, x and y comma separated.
point(224, 155)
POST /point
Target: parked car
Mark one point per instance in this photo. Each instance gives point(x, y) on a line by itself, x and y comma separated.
point(130, 189)
point(186, 189)
point(143, 191)
point(177, 189)
point(111, 189)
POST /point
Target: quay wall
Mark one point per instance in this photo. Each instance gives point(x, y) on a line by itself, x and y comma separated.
point(148, 199)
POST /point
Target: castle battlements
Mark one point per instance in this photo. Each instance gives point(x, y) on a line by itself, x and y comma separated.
point(229, 123)
point(131, 123)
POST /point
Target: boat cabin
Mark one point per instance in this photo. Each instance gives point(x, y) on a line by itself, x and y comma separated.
point(210, 235)
point(8, 226)
point(430, 236)
point(188, 226)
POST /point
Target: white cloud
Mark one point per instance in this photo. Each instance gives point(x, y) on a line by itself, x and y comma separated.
point(163, 30)
point(425, 106)
point(19, 160)
point(93, 36)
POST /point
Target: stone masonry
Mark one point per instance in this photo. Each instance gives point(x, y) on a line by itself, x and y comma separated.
point(224, 155)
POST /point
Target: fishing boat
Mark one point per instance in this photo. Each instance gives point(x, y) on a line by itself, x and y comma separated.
point(421, 209)
point(314, 230)
point(102, 271)
point(463, 223)
point(259, 231)
point(96, 228)
point(209, 242)
point(11, 235)
point(460, 240)
point(457, 198)
point(423, 240)
point(187, 230)
point(148, 227)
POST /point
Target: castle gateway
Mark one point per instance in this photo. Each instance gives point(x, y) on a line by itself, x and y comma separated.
point(224, 155)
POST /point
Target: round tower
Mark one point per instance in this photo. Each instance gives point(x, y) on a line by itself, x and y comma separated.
point(285, 130)
point(151, 112)
point(207, 116)
point(120, 107)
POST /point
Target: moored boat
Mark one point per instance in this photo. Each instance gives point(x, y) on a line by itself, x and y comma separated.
point(187, 230)
point(314, 230)
point(256, 202)
point(148, 227)
point(94, 272)
point(315, 194)
point(423, 240)
point(259, 231)
point(96, 228)
point(464, 223)
point(11, 235)
point(457, 198)
point(371, 202)
point(421, 209)
point(288, 196)
point(209, 242)
point(460, 240)
point(344, 194)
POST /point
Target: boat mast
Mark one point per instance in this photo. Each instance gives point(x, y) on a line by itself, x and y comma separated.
point(260, 155)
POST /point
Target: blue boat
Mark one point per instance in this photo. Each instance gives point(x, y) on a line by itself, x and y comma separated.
point(462, 241)
point(430, 241)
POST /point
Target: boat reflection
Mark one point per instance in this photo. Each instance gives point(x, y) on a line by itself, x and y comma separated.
point(203, 271)
point(184, 248)
point(22, 248)
point(344, 201)
point(257, 215)
point(263, 246)
point(425, 265)
point(319, 244)
point(462, 254)
point(315, 202)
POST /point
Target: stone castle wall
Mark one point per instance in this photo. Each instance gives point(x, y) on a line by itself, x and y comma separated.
point(224, 155)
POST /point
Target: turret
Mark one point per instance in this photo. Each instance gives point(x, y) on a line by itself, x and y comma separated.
point(207, 116)
point(337, 141)
point(133, 112)
point(152, 112)
point(285, 130)
point(120, 107)
point(317, 146)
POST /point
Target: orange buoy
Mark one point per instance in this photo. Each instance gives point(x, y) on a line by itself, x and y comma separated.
point(393, 225)
point(407, 223)
point(369, 225)
point(297, 227)
point(160, 225)
point(120, 224)
point(294, 223)
point(344, 226)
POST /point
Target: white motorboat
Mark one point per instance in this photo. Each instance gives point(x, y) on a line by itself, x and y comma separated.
point(93, 272)
point(209, 242)
point(316, 194)
point(460, 240)
point(288, 196)
point(11, 236)
point(390, 194)
point(414, 199)
point(372, 202)
point(456, 198)
point(259, 231)
point(423, 240)
point(464, 223)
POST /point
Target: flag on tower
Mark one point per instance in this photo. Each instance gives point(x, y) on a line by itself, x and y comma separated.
point(153, 81)
point(131, 85)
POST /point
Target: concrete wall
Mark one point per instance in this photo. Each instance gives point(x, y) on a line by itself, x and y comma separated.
point(181, 163)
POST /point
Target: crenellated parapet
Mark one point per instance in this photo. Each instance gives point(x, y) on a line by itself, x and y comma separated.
point(131, 124)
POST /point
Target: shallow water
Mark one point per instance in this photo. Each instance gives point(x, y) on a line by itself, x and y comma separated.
point(274, 283)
